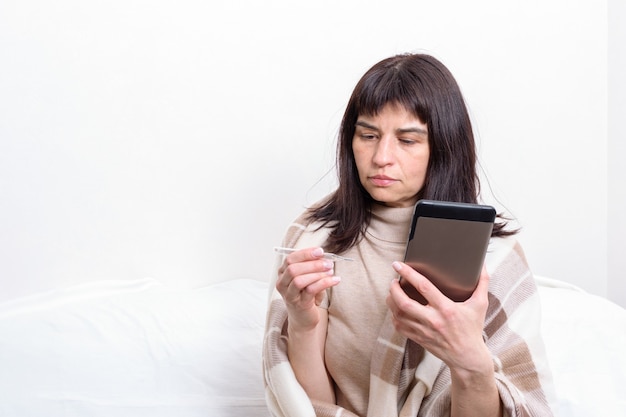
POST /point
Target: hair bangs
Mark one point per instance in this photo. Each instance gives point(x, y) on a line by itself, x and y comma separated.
point(395, 86)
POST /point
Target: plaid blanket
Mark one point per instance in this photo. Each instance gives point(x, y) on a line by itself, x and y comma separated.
point(407, 380)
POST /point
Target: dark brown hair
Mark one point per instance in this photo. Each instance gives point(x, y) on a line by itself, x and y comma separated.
point(426, 88)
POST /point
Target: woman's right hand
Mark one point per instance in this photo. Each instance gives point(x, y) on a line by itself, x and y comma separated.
point(302, 279)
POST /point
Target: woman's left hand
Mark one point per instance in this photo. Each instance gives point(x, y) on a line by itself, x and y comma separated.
point(452, 331)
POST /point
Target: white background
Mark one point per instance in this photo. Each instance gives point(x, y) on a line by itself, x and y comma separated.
point(177, 139)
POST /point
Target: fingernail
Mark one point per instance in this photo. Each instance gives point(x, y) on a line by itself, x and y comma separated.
point(336, 279)
point(397, 266)
point(318, 252)
point(328, 264)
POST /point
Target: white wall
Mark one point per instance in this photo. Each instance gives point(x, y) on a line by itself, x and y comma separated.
point(617, 152)
point(178, 139)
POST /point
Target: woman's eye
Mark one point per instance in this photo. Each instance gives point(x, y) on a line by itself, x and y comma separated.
point(406, 141)
point(368, 136)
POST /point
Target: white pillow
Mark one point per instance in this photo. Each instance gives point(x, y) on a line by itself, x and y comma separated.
point(119, 349)
point(585, 338)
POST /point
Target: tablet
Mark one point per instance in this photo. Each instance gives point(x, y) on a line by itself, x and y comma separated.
point(447, 244)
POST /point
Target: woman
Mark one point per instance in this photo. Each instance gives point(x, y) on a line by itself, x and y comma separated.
point(358, 345)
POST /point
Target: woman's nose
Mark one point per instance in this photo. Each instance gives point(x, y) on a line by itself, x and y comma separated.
point(383, 154)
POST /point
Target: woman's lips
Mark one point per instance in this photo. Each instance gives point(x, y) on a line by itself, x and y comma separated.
point(382, 180)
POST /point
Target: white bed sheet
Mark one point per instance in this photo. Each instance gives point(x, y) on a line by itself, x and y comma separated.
point(120, 348)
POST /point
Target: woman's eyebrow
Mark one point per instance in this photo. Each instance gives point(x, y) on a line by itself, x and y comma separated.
point(365, 125)
point(417, 130)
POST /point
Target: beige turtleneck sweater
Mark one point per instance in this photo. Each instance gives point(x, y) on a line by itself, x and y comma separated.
point(356, 307)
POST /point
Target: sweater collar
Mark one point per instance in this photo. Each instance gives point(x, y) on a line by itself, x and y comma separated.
point(390, 224)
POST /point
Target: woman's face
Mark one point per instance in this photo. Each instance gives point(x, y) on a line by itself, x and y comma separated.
point(391, 153)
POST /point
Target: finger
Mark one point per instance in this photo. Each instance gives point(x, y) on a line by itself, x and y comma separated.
point(302, 255)
point(312, 283)
point(313, 293)
point(297, 277)
point(482, 288)
point(306, 268)
point(304, 287)
point(395, 299)
point(397, 295)
point(404, 309)
point(318, 288)
point(304, 275)
point(407, 313)
point(420, 283)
